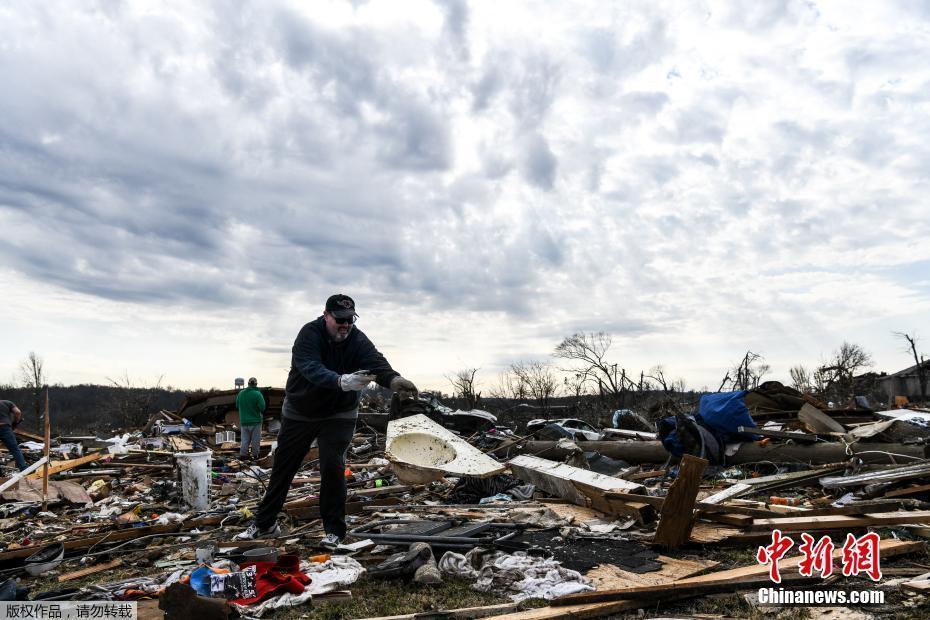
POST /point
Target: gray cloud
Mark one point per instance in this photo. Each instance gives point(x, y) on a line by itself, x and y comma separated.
point(226, 158)
point(455, 25)
point(533, 90)
point(537, 162)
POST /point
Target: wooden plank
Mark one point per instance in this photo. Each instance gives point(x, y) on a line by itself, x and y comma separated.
point(60, 466)
point(799, 524)
point(655, 502)
point(90, 570)
point(735, 509)
point(770, 511)
point(112, 535)
point(578, 612)
point(610, 577)
point(744, 575)
point(921, 586)
point(45, 450)
point(642, 513)
point(27, 435)
point(373, 492)
point(727, 518)
point(23, 474)
point(677, 516)
point(816, 421)
point(180, 444)
point(596, 499)
point(83, 543)
point(645, 475)
point(576, 515)
point(559, 479)
point(851, 509)
point(907, 491)
point(733, 491)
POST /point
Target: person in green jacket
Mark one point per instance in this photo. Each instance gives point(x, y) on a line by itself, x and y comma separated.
point(251, 406)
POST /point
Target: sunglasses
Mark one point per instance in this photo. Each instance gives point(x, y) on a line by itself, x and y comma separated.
point(346, 321)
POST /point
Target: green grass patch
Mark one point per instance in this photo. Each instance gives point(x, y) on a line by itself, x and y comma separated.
point(382, 597)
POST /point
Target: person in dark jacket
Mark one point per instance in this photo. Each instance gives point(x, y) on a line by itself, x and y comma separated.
point(331, 361)
point(10, 417)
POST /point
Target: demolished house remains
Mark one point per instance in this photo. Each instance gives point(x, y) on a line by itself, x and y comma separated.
point(554, 523)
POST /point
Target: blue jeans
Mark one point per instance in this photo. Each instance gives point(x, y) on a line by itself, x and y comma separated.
point(251, 436)
point(9, 440)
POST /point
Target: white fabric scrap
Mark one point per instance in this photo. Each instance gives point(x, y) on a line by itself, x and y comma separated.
point(334, 574)
point(517, 575)
point(607, 528)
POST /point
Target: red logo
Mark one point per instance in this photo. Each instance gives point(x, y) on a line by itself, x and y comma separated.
point(859, 555)
point(774, 552)
point(817, 557)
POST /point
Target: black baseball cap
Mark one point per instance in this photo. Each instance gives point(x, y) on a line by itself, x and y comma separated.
point(341, 306)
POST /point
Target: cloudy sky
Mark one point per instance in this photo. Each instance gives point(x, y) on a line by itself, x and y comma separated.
point(183, 184)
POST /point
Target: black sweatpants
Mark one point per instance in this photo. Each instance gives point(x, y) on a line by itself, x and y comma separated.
point(294, 439)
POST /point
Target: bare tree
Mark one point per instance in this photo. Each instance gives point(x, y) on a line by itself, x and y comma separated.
point(510, 386)
point(746, 375)
point(574, 384)
point(801, 379)
point(540, 381)
point(657, 374)
point(32, 372)
point(133, 402)
point(836, 375)
point(919, 361)
point(463, 386)
point(589, 353)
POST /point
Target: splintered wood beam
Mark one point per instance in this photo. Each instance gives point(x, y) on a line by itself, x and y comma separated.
point(816, 421)
point(800, 524)
point(20, 475)
point(60, 466)
point(745, 576)
point(677, 516)
point(90, 570)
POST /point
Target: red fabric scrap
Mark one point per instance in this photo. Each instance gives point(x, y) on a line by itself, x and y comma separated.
point(273, 578)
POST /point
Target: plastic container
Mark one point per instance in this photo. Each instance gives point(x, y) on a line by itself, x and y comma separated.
point(195, 478)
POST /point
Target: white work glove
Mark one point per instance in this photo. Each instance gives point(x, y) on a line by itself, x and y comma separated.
point(404, 387)
point(356, 381)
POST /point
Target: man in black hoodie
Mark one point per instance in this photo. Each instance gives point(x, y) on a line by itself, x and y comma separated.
point(331, 361)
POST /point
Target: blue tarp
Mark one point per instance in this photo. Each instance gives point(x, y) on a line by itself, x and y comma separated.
point(724, 413)
point(720, 415)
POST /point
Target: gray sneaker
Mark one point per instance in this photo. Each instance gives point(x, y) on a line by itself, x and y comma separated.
point(330, 542)
point(253, 532)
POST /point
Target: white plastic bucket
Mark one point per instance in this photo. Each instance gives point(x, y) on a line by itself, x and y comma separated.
point(195, 478)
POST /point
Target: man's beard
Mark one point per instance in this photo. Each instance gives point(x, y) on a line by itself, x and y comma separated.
point(339, 335)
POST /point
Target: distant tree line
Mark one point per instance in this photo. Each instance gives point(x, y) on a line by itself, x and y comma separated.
point(584, 380)
point(91, 409)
